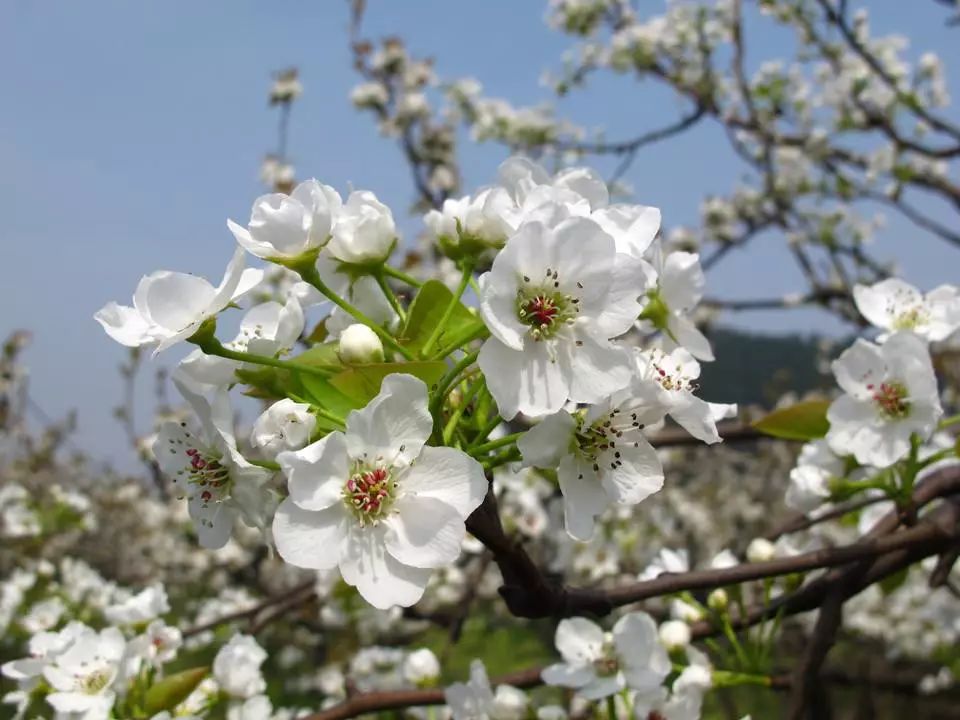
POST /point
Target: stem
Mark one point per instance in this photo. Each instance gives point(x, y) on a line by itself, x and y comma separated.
point(459, 342)
point(389, 295)
point(488, 428)
point(494, 444)
point(269, 465)
point(467, 274)
point(611, 707)
point(309, 273)
point(401, 276)
point(214, 347)
point(443, 387)
point(327, 415)
point(503, 458)
point(458, 413)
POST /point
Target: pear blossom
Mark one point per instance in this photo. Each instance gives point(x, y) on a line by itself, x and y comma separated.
point(266, 329)
point(893, 305)
point(684, 700)
point(148, 604)
point(673, 375)
point(364, 232)
point(810, 480)
point(678, 287)
point(476, 700)
point(598, 664)
point(376, 501)
point(552, 300)
point(601, 454)
point(257, 707)
point(890, 393)
point(475, 224)
point(674, 634)
point(286, 226)
point(82, 675)
point(236, 668)
point(169, 307)
point(285, 425)
point(43, 648)
point(206, 466)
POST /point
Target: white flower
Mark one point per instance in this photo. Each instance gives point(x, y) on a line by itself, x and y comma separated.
point(552, 300)
point(170, 306)
point(364, 232)
point(376, 501)
point(892, 305)
point(684, 700)
point(474, 224)
point(601, 454)
point(890, 393)
point(421, 667)
point(285, 425)
point(673, 376)
point(472, 700)
point(206, 466)
point(266, 329)
point(82, 676)
point(257, 707)
point(598, 664)
point(236, 668)
point(633, 227)
point(286, 226)
point(360, 344)
point(679, 287)
point(148, 604)
point(666, 560)
point(810, 479)
point(43, 615)
point(509, 703)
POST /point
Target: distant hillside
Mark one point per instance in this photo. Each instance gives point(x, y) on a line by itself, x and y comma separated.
point(753, 368)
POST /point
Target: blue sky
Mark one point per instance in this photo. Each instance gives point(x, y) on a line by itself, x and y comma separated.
point(129, 132)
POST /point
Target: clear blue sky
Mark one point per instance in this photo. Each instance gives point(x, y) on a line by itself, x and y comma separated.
point(129, 132)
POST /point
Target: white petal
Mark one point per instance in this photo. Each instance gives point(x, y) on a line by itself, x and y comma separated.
point(125, 325)
point(309, 539)
point(695, 416)
point(317, 474)
point(583, 497)
point(564, 675)
point(644, 662)
point(586, 183)
point(686, 334)
point(208, 369)
point(579, 640)
point(682, 281)
point(398, 417)
point(173, 301)
point(545, 444)
point(448, 475)
point(424, 532)
point(213, 521)
point(858, 366)
point(379, 578)
point(637, 473)
point(595, 369)
point(622, 306)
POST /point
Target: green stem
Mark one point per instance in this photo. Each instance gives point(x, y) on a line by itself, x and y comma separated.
point(327, 415)
point(458, 413)
point(448, 312)
point(265, 464)
point(508, 455)
point(485, 431)
point(402, 276)
point(948, 421)
point(443, 387)
point(212, 346)
point(494, 444)
point(611, 707)
point(380, 277)
point(309, 273)
point(458, 342)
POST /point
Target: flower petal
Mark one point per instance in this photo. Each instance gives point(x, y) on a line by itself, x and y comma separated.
point(394, 426)
point(308, 539)
point(545, 444)
point(448, 475)
point(317, 473)
point(424, 532)
point(382, 580)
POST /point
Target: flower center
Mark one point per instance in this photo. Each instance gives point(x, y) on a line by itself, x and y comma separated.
point(207, 474)
point(93, 683)
point(891, 399)
point(620, 426)
point(607, 664)
point(544, 307)
point(369, 493)
point(673, 380)
point(910, 318)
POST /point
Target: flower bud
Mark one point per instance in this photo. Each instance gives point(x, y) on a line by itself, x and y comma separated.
point(360, 344)
point(675, 634)
point(509, 703)
point(760, 550)
point(364, 232)
point(421, 668)
point(718, 600)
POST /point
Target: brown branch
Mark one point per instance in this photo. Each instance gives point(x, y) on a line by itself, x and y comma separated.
point(251, 613)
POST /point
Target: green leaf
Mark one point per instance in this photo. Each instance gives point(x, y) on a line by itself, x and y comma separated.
point(173, 690)
point(425, 313)
point(803, 421)
point(361, 383)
